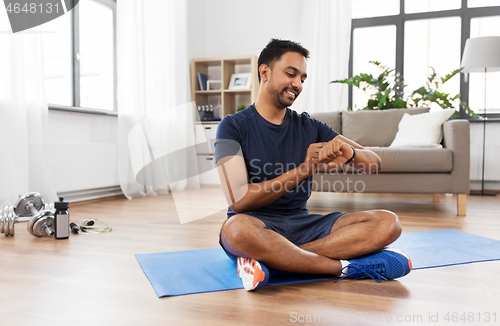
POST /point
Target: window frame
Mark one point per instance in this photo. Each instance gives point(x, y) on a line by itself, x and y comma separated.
point(75, 51)
point(464, 12)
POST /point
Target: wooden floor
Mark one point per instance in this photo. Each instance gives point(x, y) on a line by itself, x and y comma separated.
point(96, 280)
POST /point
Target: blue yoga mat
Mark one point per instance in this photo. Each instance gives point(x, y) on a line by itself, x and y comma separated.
point(209, 270)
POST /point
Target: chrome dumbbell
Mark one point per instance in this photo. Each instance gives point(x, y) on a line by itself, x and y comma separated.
point(42, 225)
point(8, 218)
point(10, 215)
point(41, 222)
point(31, 204)
point(28, 209)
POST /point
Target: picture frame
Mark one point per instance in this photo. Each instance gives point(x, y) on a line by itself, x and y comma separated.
point(240, 81)
point(214, 85)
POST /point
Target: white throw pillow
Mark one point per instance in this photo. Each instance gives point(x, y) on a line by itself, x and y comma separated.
point(421, 130)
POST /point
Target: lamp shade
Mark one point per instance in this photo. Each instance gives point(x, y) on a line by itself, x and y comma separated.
point(481, 53)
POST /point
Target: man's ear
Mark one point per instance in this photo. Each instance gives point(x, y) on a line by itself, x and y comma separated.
point(264, 72)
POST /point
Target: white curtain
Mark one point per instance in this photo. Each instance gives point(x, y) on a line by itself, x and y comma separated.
point(25, 160)
point(153, 88)
point(324, 28)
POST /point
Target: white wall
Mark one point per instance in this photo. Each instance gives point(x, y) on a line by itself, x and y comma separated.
point(197, 24)
point(238, 27)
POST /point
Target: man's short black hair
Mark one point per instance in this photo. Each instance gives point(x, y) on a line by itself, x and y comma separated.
point(275, 49)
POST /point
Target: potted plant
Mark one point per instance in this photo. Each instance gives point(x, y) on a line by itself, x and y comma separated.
point(389, 90)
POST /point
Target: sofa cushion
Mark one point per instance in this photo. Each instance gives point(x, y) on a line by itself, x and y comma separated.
point(374, 128)
point(414, 159)
point(333, 119)
point(421, 130)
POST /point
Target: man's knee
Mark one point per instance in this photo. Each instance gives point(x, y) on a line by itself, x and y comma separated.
point(391, 224)
point(240, 236)
point(239, 228)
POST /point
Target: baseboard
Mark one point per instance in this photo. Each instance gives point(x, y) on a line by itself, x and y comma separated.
point(91, 194)
point(491, 186)
point(91, 201)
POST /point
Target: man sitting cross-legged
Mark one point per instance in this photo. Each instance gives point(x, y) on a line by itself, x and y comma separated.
point(266, 156)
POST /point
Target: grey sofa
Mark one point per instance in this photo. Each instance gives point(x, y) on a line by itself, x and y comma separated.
point(404, 170)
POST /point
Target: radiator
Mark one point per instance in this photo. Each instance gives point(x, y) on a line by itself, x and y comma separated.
point(78, 167)
point(491, 167)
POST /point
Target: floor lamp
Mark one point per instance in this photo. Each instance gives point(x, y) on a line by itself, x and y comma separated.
point(482, 54)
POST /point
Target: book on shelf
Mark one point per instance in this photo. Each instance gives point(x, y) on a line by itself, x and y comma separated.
point(202, 80)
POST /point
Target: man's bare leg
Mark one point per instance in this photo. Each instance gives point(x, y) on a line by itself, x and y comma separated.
point(357, 234)
point(246, 236)
point(353, 235)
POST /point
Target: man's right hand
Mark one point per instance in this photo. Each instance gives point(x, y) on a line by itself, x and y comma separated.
point(311, 162)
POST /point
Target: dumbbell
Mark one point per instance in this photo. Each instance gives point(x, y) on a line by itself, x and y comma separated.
point(7, 220)
point(41, 223)
point(9, 215)
point(27, 209)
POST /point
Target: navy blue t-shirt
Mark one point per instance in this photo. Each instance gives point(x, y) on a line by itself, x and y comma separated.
point(270, 150)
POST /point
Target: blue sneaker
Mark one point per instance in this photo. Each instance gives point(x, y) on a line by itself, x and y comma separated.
point(253, 274)
point(390, 263)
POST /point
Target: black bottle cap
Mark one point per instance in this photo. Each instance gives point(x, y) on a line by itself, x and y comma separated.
point(61, 204)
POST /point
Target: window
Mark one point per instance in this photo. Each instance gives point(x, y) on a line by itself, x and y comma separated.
point(79, 57)
point(423, 34)
point(365, 49)
point(58, 57)
point(479, 27)
point(370, 8)
point(431, 43)
point(482, 3)
point(414, 6)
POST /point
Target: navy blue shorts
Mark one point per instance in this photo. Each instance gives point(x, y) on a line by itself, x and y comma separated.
point(298, 229)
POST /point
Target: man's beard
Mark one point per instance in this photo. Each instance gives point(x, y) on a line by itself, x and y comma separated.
point(280, 98)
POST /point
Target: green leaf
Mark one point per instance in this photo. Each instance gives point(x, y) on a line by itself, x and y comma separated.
point(450, 75)
point(387, 90)
point(432, 76)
